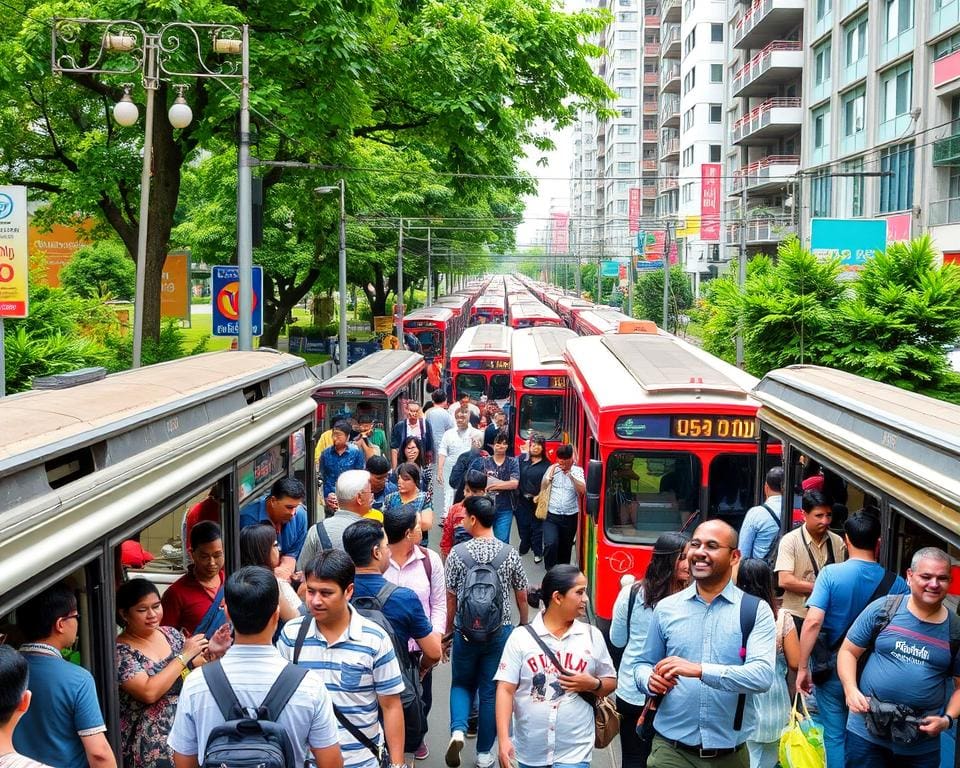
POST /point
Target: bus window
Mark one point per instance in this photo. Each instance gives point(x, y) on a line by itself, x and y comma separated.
point(471, 384)
point(649, 492)
point(430, 342)
point(730, 491)
point(908, 537)
point(499, 386)
point(541, 413)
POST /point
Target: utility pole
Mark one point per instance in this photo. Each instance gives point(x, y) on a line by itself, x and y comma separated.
point(429, 271)
point(630, 282)
point(742, 267)
point(667, 241)
point(399, 318)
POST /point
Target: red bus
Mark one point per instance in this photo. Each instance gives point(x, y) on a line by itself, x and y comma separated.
point(433, 327)
point(568, 307)
point(601, 320)
point(531, 314)
point(480, 363)
point(487, 309)
point(539, 379)
point(668, 437)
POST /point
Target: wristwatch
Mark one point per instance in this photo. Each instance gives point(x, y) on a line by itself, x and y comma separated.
point(599, 685)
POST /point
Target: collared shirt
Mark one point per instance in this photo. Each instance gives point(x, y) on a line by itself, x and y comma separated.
point(631, 638)
point(510, 574)
point(356, 669)
point(333, 463)
point(508, 470)
point(401, 609)
point(701, 711)
point(759, 530)
point(388, 487)
point(186, 602)
point(794, 558)
point(334, 526)
point(252, 669)
point(292, 533)
point(440, 420)
point(63, 710)
point(453, 443)
point(431, 592)
point(564, 499)
point(551, 726)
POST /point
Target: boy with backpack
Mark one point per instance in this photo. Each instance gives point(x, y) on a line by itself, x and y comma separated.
point(481, 573)
point(253, 682)
point(356, 660)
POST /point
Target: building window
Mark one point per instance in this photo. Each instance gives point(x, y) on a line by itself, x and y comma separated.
point(896, 92)
point(851, 198)
point(716, 33)
point(855, 40)
point(896, 190)
point(624, 130)
point(688, 119)
point(898, 16)
point(688, 192)
point(716, 73)
point(716, 113)
point(626, 75)
point(715, 153)
point(690, 42)
point(623, 185)
point(624, 149)
point(627, 113)
point(627, 17)
point(624, 169)
point(621, 206)
point(627, 35)
point(823, 8)
point(946, 46)
point(629, 94)
point(854, 113)
point(690, 79)
point(821, 128)
point(688, 157)
point(820, 189)
point(626, 55)
point(821, 63)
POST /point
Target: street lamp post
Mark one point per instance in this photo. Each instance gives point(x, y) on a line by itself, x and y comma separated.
point(155, 55)
point(341, 187)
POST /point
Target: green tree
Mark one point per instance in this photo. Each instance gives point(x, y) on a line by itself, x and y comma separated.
point(648, 297)
point(100, 270)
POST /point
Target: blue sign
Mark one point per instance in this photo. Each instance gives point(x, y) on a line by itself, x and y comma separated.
point(853, 240)
point(610, 269)
point(225, 295)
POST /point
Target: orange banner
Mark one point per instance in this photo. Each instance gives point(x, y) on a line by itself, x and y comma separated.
point(175, 286)
point(57, 246)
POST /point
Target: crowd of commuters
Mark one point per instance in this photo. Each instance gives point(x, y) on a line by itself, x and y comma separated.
point(351, 615)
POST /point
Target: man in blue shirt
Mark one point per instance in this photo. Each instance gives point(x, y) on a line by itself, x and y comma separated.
point(762, 523)
point(839, 595)
point(691, 658)
point(380, 483)
point(339, 457)
point(64, 726)
point(365, 542)
point(911, 666)
point(283, 508)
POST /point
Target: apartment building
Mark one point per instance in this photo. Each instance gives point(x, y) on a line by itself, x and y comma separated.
point(763, 121)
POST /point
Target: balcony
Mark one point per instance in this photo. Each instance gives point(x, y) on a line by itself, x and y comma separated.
point(773, 118)
point(650, 78)
point(946, 152)
point(670, 11)
point(651, 49)
point(651, 21)
point(771, 173)
point(649, 165)
point(650, 107)
point(944, 212)
point(649, 190)
point(669, 112)
point(670, 76)
point(946, 74)
point(670, 42)
point(650, 136)
point(667, 183)
point(767, 20)
point(780, 62)
point(670, 149)
point(761, 231)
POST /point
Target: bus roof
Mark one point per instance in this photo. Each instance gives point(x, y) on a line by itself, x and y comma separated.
point(480, 340)
point(911, 435)
point(41, 424)
point(531, 308)
point(540, 348)
point(642, 369)
point(386, 370)
point(439, 314)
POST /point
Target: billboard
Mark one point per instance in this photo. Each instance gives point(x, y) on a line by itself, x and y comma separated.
point(175, 286)
point(633, 210)
point(710, 202)
point(57, 246)
point(14, 259)
point(225, 295)
point(853, 240)
point(559, 235)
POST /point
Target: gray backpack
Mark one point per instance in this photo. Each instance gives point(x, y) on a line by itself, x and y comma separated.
point(480, 610)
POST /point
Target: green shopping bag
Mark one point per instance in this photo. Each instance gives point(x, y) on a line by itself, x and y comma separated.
point(801, 744)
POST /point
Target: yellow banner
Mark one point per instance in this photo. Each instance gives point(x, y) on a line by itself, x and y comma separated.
point(14, 260)
point(690, 228)
point(383, 324)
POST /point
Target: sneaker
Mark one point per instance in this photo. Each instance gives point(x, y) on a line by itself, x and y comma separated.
point(453, 749)
point(485, 760)
point(472, 727)
point(537, 559)
point(422, 752)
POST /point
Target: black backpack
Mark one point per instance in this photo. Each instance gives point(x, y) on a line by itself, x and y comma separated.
point(244, 741)
point(771, 557)
point(480, 609)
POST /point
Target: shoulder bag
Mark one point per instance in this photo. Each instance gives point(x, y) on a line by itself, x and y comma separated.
point(543, 499)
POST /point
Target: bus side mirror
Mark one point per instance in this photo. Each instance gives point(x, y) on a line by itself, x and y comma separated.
point(594, 483)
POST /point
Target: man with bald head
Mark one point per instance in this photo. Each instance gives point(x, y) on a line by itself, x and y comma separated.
point(692, 660)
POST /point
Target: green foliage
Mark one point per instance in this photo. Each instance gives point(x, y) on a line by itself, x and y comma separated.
point(170, 346)
point(101, 270)
point(29, 356)
point(889, 323)
point(648, 296)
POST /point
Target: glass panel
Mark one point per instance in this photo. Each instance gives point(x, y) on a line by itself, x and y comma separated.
point(649, 492)
point(730, 490)
point(472, 384)
point(431, 342)
point(499, 386)
point(541, 413)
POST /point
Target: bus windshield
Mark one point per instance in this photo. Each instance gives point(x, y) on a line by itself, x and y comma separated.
point(542, 414)
point(472, 384)
point(499, 386)
point(430, 342)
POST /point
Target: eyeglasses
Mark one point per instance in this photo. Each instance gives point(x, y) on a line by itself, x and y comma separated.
point(71, 616)
point(276, 544)
point(710, 546)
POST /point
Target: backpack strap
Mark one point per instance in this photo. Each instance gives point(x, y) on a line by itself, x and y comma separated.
point(357, 733)
point(883, 588)
point(772, 514)
point(385, 592)
point(302, 633)
point(325, 541)
point(221, 690)
point(631, 602)
point(954, 620)
point(281, 691)
point(463, 552)
point(427, 564)
point(748, 617)
point(501, 557)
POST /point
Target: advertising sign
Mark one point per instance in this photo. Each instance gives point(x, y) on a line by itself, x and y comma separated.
point(710, 202)
point(57, 246)
point(853, 240)
point(898, 227)
point(633, 210)
point(226, 301)
point(559, 236)
point(175, 286)
point(609, 269)
point(14, 262)
point(383, 323)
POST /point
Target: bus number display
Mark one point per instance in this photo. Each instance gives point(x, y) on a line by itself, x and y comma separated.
point(545, 382)
point(713, 427)
point(474, 364)
point(420, 324)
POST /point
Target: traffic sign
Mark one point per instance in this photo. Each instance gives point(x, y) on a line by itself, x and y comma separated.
point(225, 296)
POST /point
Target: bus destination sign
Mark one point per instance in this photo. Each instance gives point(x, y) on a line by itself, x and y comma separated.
point(478, 364)
point(545, 382)
point(420, 324)
point(700, 426)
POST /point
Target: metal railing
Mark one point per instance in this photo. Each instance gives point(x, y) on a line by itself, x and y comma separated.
point(944, 211)
point(763, 170)
point(760, 116)
point(761, 62)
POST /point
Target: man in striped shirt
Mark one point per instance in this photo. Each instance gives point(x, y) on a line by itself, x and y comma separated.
point(353, 656)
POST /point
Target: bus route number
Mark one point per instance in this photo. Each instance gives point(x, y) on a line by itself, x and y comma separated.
point(713, 428)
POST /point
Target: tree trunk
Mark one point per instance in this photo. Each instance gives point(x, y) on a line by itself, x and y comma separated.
point(288, 293)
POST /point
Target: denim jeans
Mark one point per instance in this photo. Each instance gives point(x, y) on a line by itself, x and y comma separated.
point(472, 667)
point(833, 717)
point(558, 765)
point(502, 523)
point(862, 753)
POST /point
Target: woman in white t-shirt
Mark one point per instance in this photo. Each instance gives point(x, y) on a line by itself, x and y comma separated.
point(553, 722)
